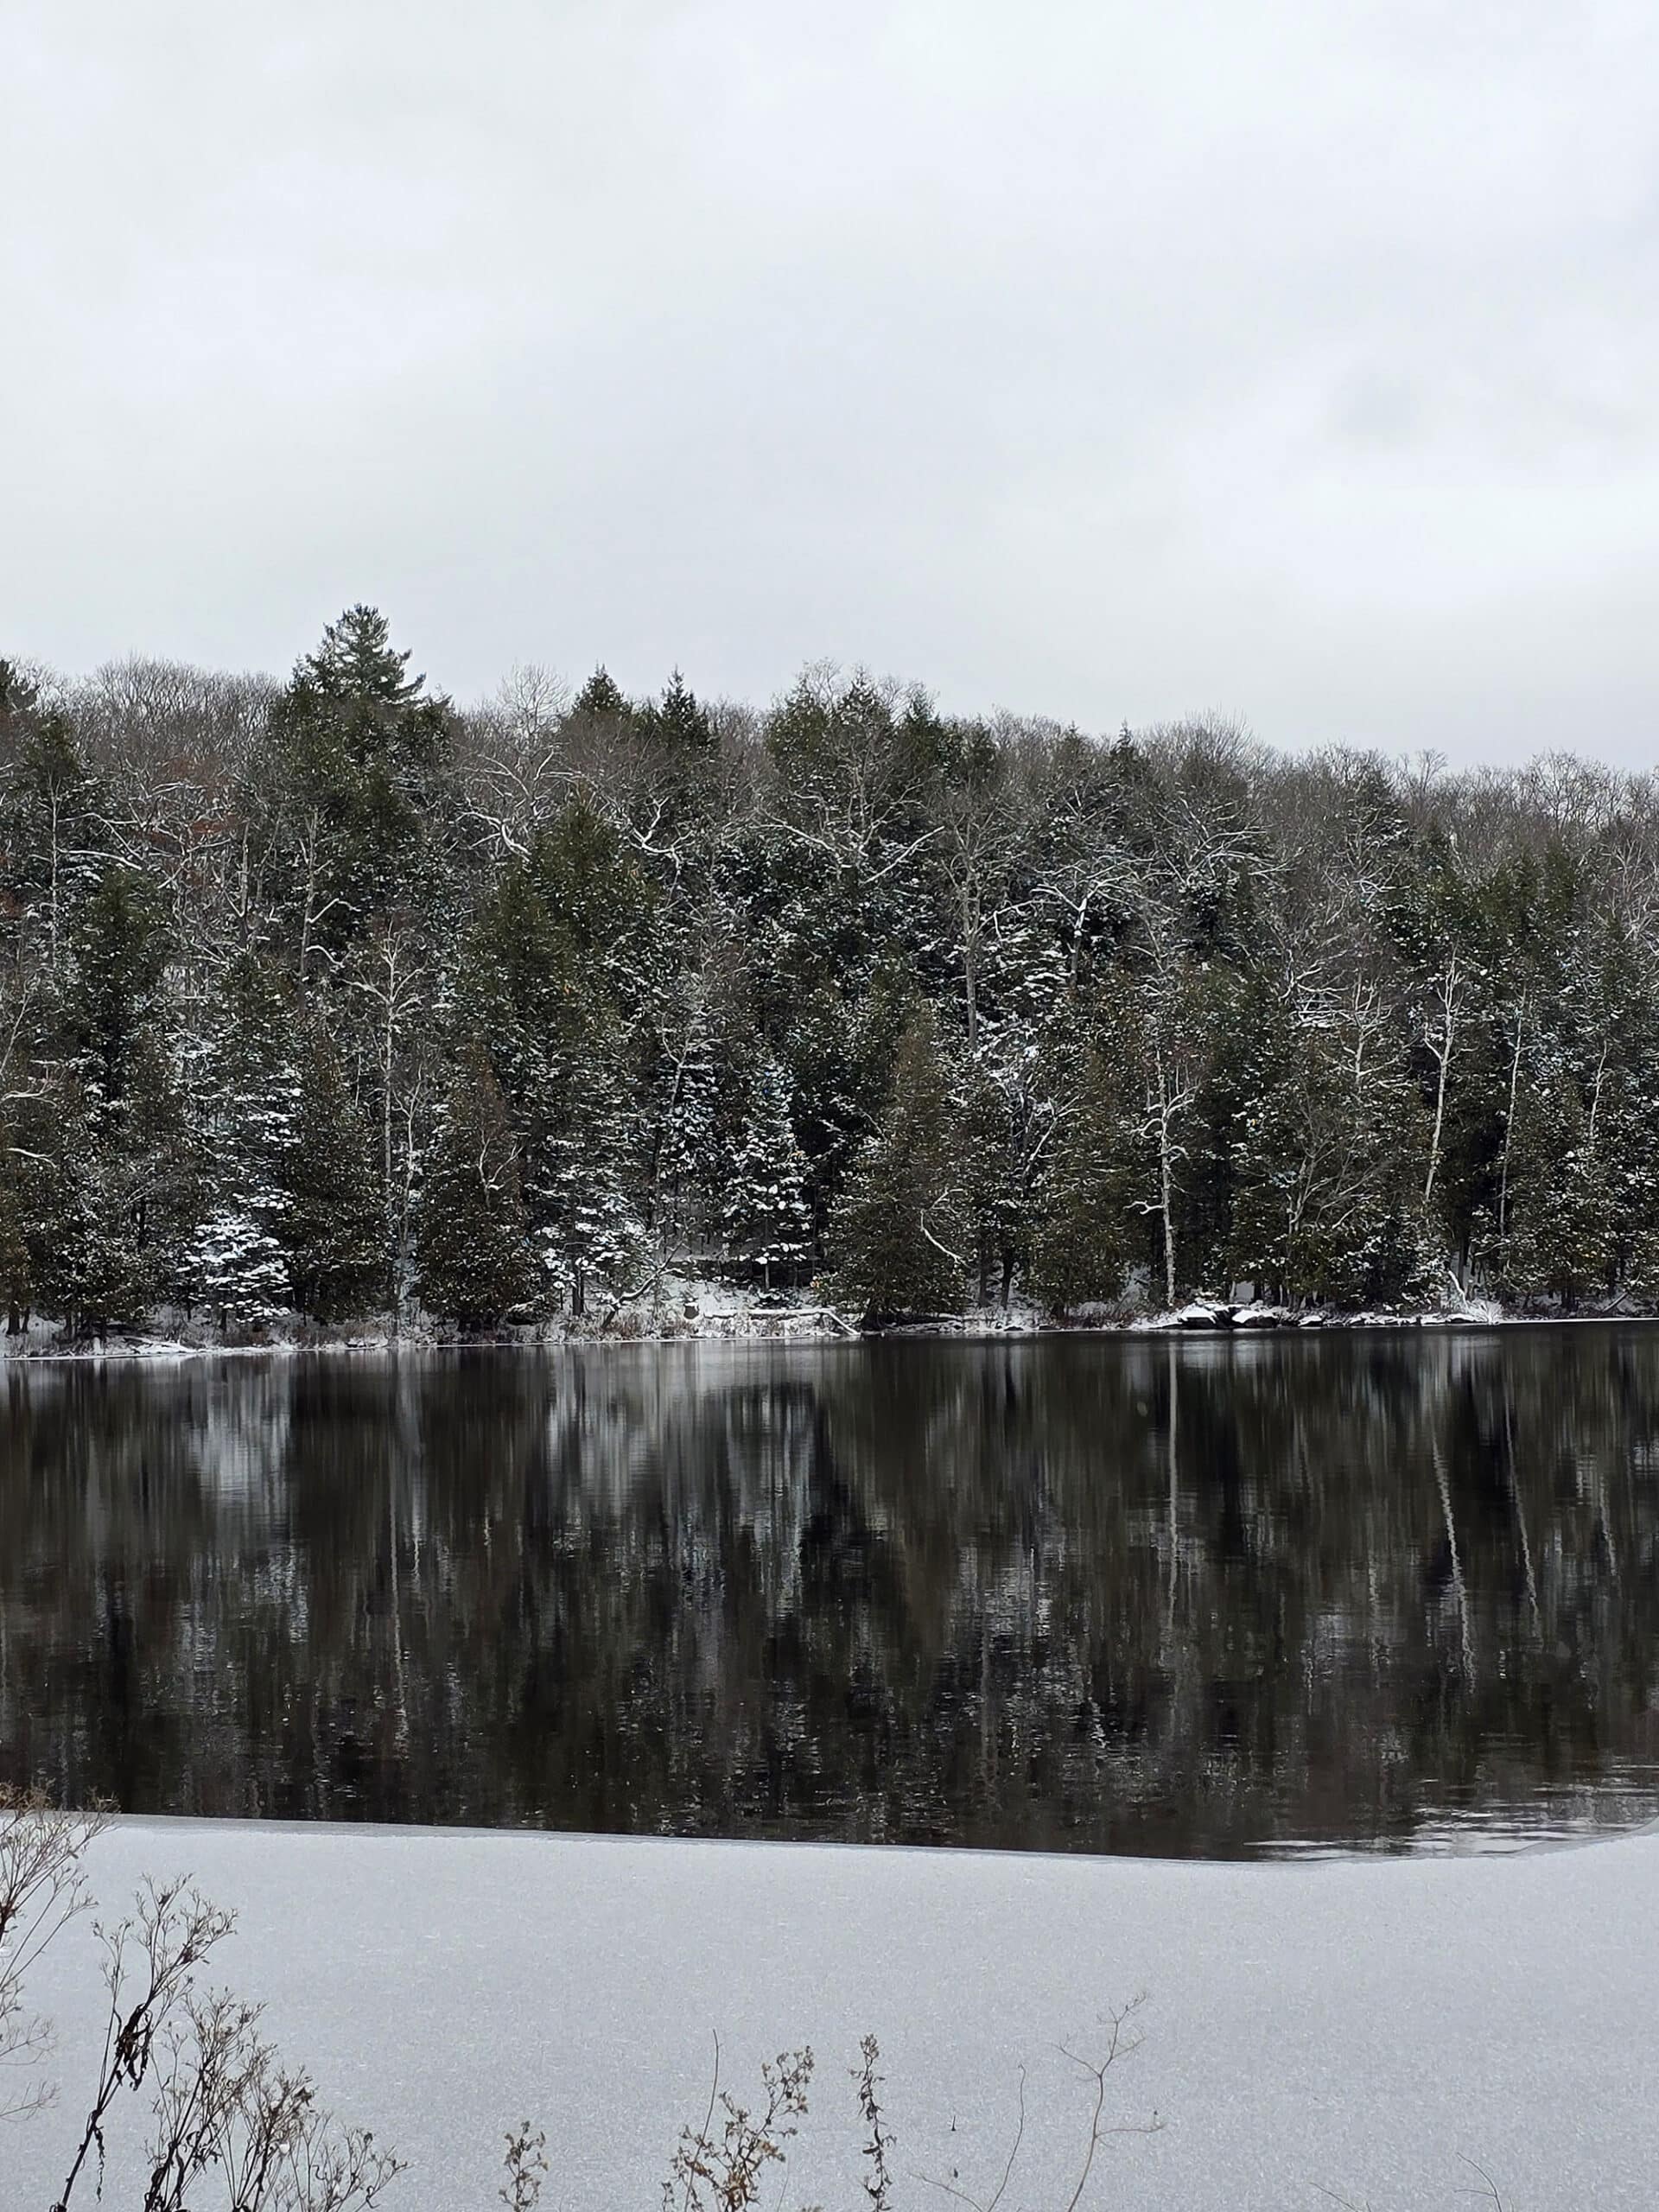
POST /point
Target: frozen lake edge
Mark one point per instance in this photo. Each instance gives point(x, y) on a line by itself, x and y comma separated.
point(1354, 2025)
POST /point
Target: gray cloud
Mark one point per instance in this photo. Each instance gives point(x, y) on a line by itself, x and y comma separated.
point(1293, 359)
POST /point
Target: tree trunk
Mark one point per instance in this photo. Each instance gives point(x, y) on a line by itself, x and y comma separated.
point(970, 958)
point(1449, 1001)
point(1509, 1126)
point(1166, 1180)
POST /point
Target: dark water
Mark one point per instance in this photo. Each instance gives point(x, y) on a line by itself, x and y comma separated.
point(1196, 1597)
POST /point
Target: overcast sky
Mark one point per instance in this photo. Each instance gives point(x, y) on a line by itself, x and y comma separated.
point(1109, 361)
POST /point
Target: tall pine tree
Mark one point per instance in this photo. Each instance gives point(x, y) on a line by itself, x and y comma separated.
point(898, 1234)
point(472, 1264)
point(336, 1225)
point(768, 1224)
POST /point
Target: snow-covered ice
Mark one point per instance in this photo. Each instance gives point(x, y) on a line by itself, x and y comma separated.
point(1357, 2026)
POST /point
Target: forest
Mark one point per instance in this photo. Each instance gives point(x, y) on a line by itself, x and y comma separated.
point(336, 999)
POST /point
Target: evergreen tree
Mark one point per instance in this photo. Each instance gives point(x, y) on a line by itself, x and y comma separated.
point(247, 1106)
point(354, 790)
point(601, 697)
point(84, 1263)
point(678, 724)
point(591, 1231)
point(110, 1143)
point(1088, 1234)
point(335, 1223)
point(1327, 1205)
point(994, 1118)
point(251, 1086)
point(898, 1233)
point(118, 959)
point(54, 840)
point(470, 1254)
point(766, 1218)
point(687, 1155)
point(162, 1168)
point(357, 667)
point(16, 1272)
point(1364, 1029)
point(235, 1268)
point(1558, 1246)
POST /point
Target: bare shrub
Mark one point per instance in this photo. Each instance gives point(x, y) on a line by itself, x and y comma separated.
point(228, 2120)
point(227, 2106)
point(149, 1962)
point(722, 2166)
point(1121, 2042)
point(43, 1888)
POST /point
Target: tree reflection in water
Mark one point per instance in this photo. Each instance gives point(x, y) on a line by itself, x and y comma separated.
point(1200, 1596)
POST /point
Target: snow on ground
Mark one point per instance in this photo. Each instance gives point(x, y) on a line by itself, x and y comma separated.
point(1355, 2026)
point(736, 1316)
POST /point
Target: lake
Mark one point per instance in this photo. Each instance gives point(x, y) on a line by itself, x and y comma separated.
point(1211, 1597)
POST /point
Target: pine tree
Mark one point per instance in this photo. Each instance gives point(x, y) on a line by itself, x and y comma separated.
point(251, 1080)
point(247, 1108)
point(118, 958)
point(54, 842)
point(994, 1147)
point(1559, 1244)
point(352, 791)
point(1372, 1030)
point(1088, 1234)
point(601, 696)
point(1327, 1205)
point(161, 1170)
point(897, 1234)
point(357, 664)
point(470, 1254)
point(83, 1260)
point(678, 723)
point(591, 1230)
point(16, 1272)
point(766, 1219)
point(686, 1159)
point(335, 1223)
point(235, 1268)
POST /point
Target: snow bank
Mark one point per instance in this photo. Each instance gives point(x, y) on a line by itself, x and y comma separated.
point(1353, 2026)
point(1217, 1313)
point(693, 1309)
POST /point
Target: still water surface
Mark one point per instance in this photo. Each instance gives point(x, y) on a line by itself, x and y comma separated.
point(1201, 1597)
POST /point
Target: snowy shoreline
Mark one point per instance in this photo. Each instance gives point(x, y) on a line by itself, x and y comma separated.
point(1357, 2026)
point(739, 1324)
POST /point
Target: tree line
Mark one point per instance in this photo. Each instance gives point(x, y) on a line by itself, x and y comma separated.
point(336, 997)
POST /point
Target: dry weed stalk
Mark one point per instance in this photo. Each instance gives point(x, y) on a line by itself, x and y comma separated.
point(878, 2140)
point(227, 2106)
point(526, 2168)
point(723, 2170)
point(1120, 2043)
